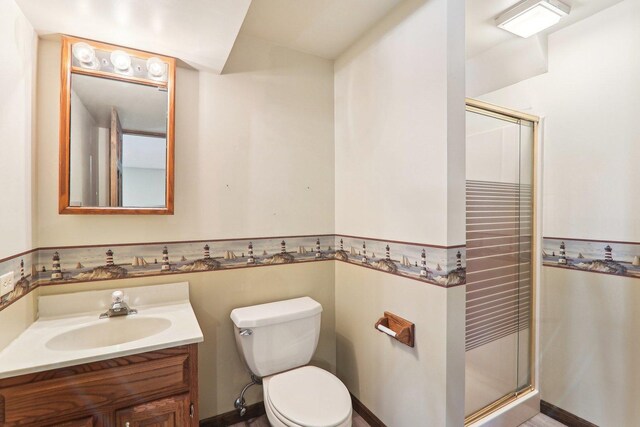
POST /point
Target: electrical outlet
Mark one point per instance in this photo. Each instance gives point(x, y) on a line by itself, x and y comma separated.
point(6, 283)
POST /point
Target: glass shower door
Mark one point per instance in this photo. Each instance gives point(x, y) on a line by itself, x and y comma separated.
point(499, 243)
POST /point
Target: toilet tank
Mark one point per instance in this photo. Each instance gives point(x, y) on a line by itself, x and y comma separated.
point(277, 336)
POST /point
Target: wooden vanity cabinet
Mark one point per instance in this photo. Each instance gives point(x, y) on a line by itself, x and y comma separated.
point(158, 388)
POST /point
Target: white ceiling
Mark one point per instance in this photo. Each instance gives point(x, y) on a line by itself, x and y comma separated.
point(141, 108)
point(482, 33)
point(202, 32)
point(324, 28)
point(199, 32)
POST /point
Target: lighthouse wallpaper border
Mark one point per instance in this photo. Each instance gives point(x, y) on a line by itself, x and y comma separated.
point(595, 256)
point(435, 265)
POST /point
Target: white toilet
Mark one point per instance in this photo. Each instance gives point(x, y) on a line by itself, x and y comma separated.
point(276, 341)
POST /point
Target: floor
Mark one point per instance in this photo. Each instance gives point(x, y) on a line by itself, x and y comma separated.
point(539, 420)
point(356, 421)
point(542, 420)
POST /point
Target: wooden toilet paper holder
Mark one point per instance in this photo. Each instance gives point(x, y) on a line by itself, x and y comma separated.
point(396, 327)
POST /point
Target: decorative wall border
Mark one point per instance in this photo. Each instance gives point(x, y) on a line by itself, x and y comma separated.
point(593, 256)
point(432, 264)
point(21, 266)
point(437, 265)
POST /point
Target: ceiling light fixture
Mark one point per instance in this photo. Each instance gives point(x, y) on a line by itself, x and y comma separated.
point(120, 60)
point(532, 16)
point(156, 67)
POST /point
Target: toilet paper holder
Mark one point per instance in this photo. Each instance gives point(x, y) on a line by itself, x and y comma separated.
point(396, 327)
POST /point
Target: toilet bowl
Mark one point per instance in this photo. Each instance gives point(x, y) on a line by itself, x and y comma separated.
point(276, 341)
point(306, 397)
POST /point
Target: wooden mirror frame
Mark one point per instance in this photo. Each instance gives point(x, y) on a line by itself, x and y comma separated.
point(67, 68)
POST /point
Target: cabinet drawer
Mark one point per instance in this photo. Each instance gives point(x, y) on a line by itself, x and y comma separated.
point(88, 392)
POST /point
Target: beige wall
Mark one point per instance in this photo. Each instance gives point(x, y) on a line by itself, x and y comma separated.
point(400, 128)
point(399, 118)
point(17, 317)
point(254, 153)
point(18, 46)
point(403, 386)
point(589, 99)
point(213, 295)
point(589, 345)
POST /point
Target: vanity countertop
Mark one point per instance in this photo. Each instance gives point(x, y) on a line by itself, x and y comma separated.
point(69, 332)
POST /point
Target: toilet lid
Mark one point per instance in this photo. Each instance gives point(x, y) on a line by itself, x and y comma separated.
point(310, 396)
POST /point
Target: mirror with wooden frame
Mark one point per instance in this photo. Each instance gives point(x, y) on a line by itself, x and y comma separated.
point(116, 130)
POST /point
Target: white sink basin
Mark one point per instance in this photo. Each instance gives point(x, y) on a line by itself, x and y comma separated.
point(108, 332)
point(69, 332)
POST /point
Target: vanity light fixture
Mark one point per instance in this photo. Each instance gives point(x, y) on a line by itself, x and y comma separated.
point(86, 55)
point(529, 17)
point(157, 68)
point(121, 61)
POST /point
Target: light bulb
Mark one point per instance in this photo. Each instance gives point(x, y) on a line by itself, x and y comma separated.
point(120, 60)
point(83, 53)
point(156, 67)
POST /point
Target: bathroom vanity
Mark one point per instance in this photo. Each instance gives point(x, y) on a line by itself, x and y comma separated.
point(74, 368)
point(154, 388)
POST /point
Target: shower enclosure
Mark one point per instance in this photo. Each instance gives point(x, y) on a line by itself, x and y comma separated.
point(500, 197)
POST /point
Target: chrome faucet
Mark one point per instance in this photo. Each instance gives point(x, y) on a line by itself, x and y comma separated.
point(118, 306)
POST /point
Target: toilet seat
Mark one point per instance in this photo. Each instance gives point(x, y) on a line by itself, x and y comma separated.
point(307, 397)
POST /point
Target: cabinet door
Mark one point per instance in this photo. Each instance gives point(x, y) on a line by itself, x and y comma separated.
point(168, 412)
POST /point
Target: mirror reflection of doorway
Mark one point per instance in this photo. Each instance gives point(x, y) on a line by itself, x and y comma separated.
point(144, 169)
point(115, 156)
